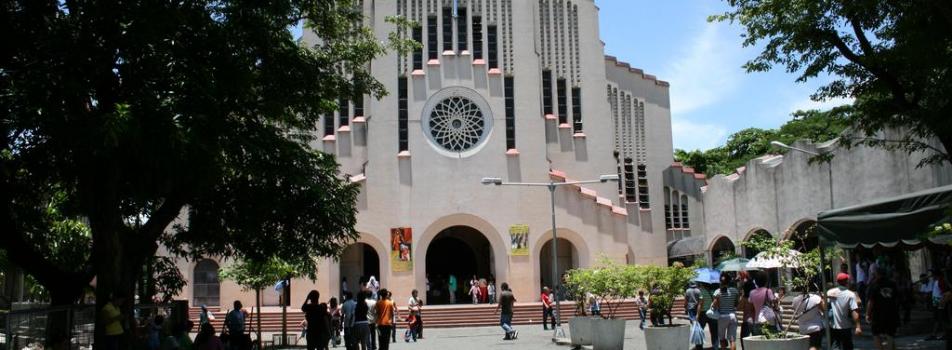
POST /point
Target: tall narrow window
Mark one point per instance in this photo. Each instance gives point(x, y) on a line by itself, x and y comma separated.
point(432, 50)
point(328, 125)
point(510, 113)
point(621, 176)
point(461, 25)
point(630, 189)
point(546, 92)
point(403, 127)
point(447, 29)
point(493, 50)
point(685, 222)
point(418, 53)
point(577, 109)
point(359, 106)
point(477, 37)
point(343, 110)
point(668, 220)
point(563, 101)
point(643, 187)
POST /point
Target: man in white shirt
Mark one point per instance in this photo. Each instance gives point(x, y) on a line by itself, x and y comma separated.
point(415, 305)
point(810, 310)
point(843, 303)
point(372, 319)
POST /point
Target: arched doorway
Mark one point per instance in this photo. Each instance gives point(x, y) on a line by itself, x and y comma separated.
point(750, 252)
point(721, 249)
point(566, 255)
point(804, 236)
point(358, 262)
point(460, 251)
point(206, 286)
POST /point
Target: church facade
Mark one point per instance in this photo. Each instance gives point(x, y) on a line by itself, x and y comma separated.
point(517, 90)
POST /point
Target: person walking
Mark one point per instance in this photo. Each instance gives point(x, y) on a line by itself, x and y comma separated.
point(761, 306)
point(110, 317)
point(595, 307)
point(361, 323)
point(452, 288)
point(641, 302)
point(206, 339)
point(371, 301)
point(845, 310)
point(318, 329)
point(373, 286)
point(235, 323)
point(205, 316)
point(692, 297)
point(809, 310)
point(506, 300)
point(939, 316)
point(385, 316)
point(707, 299)
point(333, 309)
point(747, 285)
point(882, 310)
point(474, 292)
point(348, 310)
point(415, 308)
point(547, 308)
point(492, 291)
point(725, 302)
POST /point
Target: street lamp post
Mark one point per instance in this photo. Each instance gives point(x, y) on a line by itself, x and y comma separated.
point(551, 185)
point(829, 168)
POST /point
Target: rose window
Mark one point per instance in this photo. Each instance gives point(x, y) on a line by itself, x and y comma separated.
point(457, 121)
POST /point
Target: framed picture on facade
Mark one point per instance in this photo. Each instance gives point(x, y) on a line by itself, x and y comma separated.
point(401, 240)
point(519, 240)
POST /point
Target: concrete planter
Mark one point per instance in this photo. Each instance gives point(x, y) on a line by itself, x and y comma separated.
point(757, 342)
point(668, 337)
point(608, 334)
point(580, 328)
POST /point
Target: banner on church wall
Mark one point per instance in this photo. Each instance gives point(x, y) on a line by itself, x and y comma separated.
point(519, 240)
point(401, 240)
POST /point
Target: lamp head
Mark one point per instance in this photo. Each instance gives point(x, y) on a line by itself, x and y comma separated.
point(779, 144)
point(608, 177)
point(491, 181)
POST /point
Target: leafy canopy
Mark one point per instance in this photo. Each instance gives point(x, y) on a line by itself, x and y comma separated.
point(890, 57)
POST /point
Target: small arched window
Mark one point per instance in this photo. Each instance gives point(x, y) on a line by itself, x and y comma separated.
point(206, 286)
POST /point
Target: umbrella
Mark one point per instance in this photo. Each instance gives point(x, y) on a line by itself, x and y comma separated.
point(735, 264)
point(761, 261)
point(707, 275)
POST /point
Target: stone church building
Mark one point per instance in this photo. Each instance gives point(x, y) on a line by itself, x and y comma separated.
point(519, 90)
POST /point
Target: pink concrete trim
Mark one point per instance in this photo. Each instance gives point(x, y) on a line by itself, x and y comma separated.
point(699, 176)
point(565, 126)
point(495, 71)
point(676, 165)
point(403, 154)
point(417, 73)
point(588, 192)
point(557, 174)
point(688, 170)
point(330, 138)
point(512, 152)
point(579, 135)
point(359, 120)
point(550, 117)
point(344, 128)
point(603, 201)
point(619, 211)
point(479, 62)
point(358, 178)
point(449, 53)
point(433, 62)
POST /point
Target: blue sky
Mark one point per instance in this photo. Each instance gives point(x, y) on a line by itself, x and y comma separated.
point(711, 95)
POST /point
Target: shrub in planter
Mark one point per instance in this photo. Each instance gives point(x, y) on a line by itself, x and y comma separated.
point(665, 284)
point(610, 284)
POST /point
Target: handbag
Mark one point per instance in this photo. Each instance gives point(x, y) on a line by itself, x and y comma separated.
point(697, 334)
point(767, 314)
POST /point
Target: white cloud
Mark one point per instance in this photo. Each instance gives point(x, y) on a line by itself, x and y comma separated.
point(688, 135)
point(707, 70)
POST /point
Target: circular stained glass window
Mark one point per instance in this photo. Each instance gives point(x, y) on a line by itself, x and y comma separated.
point(457, 120)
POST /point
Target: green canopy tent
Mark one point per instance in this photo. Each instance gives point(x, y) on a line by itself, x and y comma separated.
point(900, 220)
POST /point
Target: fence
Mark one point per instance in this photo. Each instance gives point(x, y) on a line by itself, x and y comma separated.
point(30, 328)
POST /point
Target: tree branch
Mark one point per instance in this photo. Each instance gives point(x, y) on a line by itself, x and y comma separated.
point(895, 87)
point(162, 217)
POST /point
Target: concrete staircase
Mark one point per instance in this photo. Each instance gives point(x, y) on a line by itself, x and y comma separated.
point(461, 315)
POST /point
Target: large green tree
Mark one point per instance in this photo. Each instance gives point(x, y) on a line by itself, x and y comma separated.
point(131, 114)
point(890, 56)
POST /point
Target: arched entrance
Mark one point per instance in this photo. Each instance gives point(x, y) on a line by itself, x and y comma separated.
point(206, 288)
point(721, 249)
point(358, 262)
point(460, 251)
point(567, 257)
point(750, 252)
point(804, 236)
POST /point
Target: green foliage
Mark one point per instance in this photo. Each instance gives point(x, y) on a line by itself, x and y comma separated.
point(890, 58)
point(612, 283)
point(252, 275)
point(747, 144)
point(665, 284)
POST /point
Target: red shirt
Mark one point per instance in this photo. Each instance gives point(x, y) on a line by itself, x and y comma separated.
point(545, 300)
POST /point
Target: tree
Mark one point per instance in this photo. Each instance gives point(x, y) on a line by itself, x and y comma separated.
point(258, 275)
point(141, 112)
point(890, 57)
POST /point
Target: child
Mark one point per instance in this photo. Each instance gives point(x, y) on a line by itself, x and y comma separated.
point(411, 326)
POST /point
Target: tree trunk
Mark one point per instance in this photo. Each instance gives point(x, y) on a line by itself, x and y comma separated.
point(258, 302)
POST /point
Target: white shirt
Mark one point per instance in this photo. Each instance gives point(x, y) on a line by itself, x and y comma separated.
point(860, 273)
point(936, 291)
point(811, 319)
point(412, 304)
point(843, 303)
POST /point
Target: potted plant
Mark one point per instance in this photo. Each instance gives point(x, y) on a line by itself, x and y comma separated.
point(578, 283)
point(807, 266)
point(610, 284)
point(665, 284)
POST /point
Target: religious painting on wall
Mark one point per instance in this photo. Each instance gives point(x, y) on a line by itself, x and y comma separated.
point(519, 240)
point(401, 239)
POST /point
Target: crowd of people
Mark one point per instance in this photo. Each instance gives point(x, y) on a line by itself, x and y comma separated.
point(450, 290)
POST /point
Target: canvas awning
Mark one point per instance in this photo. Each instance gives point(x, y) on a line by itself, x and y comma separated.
point(887, 222)
point(686, 247)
